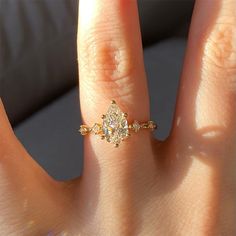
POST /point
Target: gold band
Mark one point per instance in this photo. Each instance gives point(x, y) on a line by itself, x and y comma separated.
point(135, 126)
point(115, 127)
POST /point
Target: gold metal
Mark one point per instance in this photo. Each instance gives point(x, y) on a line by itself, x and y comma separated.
point(100, 130)
point(84, 129)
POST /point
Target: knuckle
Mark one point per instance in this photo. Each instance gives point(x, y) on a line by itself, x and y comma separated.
point(105, 60)
point(105, 56)
point(220, 49)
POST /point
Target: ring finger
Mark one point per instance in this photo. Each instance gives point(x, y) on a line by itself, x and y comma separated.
point(111, 67)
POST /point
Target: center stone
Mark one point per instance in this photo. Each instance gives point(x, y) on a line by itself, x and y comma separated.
point(115, 125)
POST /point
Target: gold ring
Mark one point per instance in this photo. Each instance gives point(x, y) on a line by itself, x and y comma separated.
point(114, 127)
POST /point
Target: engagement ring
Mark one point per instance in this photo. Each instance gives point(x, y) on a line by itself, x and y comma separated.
point(114, 127)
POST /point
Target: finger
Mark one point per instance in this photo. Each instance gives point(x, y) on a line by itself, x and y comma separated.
point(25, 188)
point(11, 151)
point(206, 109)
point(15, 165)
point(111, 64)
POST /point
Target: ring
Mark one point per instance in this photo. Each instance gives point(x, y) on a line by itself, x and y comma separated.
point(114, 127)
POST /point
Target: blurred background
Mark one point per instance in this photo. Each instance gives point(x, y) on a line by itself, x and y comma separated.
point(39, 75)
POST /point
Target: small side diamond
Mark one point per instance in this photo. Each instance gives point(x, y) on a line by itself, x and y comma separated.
point(84, 129)
point(136, 126)
point(152, 125)
point(97, 128)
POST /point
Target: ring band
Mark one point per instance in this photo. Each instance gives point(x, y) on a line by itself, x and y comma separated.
point(115, 127)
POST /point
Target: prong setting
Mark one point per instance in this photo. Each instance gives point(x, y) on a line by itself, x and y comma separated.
point(125, 115)
point(115, 127)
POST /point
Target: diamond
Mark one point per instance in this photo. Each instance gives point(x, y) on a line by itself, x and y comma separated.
point(84, 129)
point(136, 126)
point(115, 125)
point(97, 128)
point(152, 125)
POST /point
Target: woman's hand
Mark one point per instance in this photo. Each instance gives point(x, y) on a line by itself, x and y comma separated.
point(183, 186)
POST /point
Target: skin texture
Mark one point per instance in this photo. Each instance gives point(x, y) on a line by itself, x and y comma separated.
point(183, 186)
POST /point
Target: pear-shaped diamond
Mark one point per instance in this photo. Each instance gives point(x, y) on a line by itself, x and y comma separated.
point(115, 125)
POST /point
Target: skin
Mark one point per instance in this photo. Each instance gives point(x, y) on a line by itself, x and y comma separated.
point(185, 185)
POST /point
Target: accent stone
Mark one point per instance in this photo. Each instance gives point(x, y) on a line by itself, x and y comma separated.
point(136, 126)
point(97, 128)
point(84, 129)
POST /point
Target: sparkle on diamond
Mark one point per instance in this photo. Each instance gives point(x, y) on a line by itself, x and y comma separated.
point(115, 125)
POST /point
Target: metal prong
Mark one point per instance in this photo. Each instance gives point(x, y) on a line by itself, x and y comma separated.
point(113, 102)
point(117, 145)
point(128, 135)
point(103, 116)
point(125, 115)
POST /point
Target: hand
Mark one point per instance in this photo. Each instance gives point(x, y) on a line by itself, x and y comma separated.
point(183, 186)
